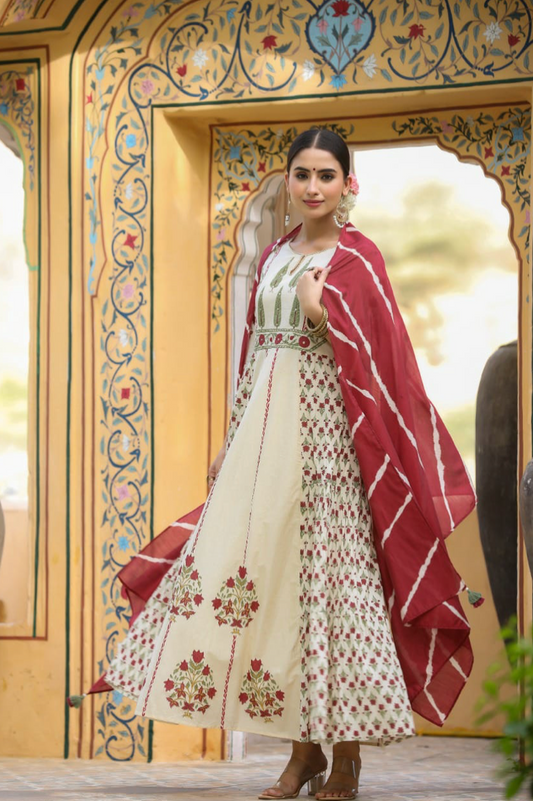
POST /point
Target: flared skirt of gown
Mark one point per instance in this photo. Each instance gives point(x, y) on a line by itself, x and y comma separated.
point(273, 620)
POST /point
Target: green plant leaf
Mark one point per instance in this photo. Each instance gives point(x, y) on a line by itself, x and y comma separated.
point(514, 785)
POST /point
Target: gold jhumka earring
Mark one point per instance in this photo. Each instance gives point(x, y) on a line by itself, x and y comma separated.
point(340, 215)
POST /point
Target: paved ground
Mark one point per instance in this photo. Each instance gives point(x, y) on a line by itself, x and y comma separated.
point(421, 769)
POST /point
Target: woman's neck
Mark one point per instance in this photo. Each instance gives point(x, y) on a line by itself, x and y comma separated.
point(317, 232)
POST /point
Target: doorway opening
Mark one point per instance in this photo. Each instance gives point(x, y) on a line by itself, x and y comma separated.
point(443, 232)
point(15, 547)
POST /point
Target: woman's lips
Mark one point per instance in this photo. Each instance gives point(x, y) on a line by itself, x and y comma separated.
point(313, 202)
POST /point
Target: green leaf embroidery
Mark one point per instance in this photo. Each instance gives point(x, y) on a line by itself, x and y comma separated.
point(294, 317)
point(260, 310)
point(278, 278)
point(277, 309)
point(296, 276)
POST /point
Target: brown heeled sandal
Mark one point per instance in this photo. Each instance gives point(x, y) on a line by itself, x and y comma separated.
point(314, 781)
point(347, 768)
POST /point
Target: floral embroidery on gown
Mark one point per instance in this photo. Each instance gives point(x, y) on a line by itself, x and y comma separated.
point(273, 619)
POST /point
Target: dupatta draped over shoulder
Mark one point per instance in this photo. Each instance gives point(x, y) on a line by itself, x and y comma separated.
point(417, 485)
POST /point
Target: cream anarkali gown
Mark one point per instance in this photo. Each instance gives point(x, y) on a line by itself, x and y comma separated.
point(273, 619)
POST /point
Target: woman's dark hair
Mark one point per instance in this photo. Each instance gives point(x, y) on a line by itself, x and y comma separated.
point(324, 140)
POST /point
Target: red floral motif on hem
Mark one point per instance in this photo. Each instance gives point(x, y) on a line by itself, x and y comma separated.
point(236, 602)
point(188, 591)
point(190, 687)
point(260, 694)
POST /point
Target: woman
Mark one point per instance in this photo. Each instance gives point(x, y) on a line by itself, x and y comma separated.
point(315, 599)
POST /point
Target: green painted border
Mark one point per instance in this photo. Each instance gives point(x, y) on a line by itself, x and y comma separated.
point(38, 360)
point(66, 714)
point(152, 393)
point(330, 96)
point(31, 31)
point(36, 62)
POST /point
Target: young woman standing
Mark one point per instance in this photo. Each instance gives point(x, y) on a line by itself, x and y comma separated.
point(315, 599)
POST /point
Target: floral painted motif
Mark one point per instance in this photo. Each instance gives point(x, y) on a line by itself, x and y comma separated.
point(260, 693)
point(20, 10)
point(190, 686)
point(188, 593)
point(501, 143)
point(17, 112)
point(338, 32)
point(454, 42)
point(236, 601)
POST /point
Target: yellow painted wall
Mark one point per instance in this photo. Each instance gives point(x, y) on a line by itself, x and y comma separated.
point(117, 121)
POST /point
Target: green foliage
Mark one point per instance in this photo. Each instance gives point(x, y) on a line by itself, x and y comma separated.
point(12, 390)
point(13, 414)
point(508, 692)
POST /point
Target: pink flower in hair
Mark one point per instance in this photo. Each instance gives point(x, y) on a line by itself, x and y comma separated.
point(354, 184)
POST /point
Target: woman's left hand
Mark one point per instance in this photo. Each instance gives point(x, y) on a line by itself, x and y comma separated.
point(309, 291)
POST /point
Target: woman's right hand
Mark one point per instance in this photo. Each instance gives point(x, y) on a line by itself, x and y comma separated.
point(215, 466)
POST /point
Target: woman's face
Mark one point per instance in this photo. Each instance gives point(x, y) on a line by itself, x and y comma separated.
point(315, 182)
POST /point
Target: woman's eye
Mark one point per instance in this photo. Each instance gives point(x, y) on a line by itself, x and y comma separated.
point(301, 175)
point(329, 177)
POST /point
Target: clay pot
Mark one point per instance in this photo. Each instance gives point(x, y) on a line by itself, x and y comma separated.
point(496, 476)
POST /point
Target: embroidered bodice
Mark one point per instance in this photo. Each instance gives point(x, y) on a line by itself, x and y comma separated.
point(280, 321)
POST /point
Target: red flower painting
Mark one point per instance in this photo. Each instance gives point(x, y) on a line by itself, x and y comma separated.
point(416, 31)
point(341, 8)
point(269, 42)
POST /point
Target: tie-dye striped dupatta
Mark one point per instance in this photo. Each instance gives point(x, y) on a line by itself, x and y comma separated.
point(417, 484)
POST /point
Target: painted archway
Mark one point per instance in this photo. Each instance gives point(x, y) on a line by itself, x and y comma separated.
point(178, 114)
